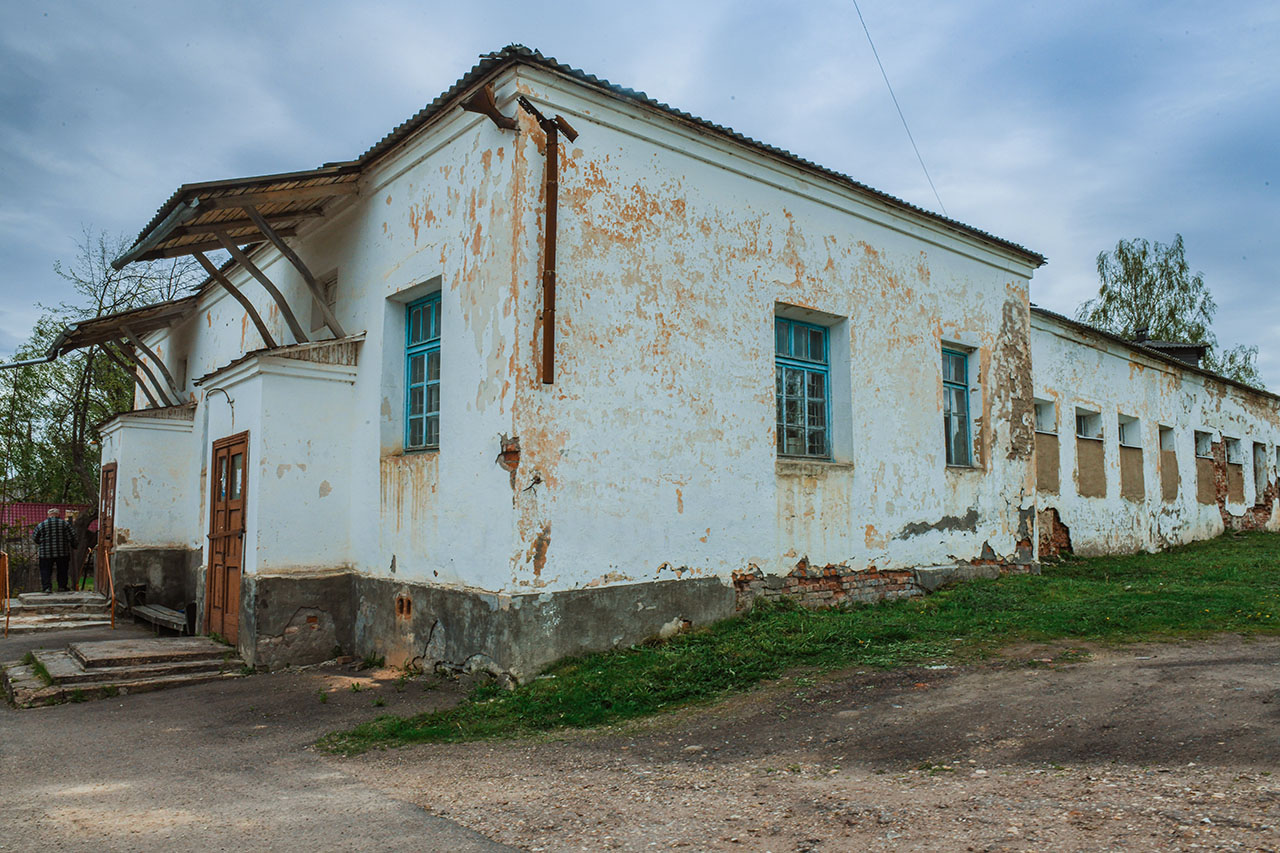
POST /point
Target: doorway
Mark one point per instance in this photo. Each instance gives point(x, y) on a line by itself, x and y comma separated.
point(106, 529)
point(226, 536)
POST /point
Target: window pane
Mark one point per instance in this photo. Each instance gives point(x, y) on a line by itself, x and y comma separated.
point(800, 343)
point(817, 345)
point(433, 399)
point(434, 330)
point(417, 435)
point(795, 382)
point(433, 430)
point(415, 325)
point(817, 386)
point(818, 443)
point(237, 475)
point(795, 441)
point(781, 336)
point(415, 401)
point(953, 368)
point(794, 412)
point(415, 370)
point(957, 437)
point(433, 366)
point(781, 448)
point(222, 479)
point(817, 414)
point(778, 374)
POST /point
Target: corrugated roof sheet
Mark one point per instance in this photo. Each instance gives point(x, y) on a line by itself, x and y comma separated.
point(1157, 354)
point(492, 63)
point(25, 516)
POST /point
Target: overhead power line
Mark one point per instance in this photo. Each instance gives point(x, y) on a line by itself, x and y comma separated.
point(876, 54)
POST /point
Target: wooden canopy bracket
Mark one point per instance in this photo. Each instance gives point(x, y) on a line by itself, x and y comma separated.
point(132, 371)
point(330, 319)
point(155, 383)
point(216, 274)
point(285, 311)
point(170, 385)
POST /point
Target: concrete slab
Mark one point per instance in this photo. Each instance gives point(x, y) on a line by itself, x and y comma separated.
point(152, 650)
point(46, 599)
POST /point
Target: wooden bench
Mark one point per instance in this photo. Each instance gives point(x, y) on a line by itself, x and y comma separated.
point(163, 616)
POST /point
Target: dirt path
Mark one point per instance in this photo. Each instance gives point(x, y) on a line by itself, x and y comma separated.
point(1153, 747)
point(223, 766)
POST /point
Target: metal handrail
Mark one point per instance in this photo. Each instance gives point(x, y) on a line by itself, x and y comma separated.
point(4, 564)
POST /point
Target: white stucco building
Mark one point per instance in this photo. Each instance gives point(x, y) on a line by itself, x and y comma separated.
point(485, 420)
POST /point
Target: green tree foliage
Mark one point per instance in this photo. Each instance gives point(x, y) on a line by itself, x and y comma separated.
point(49, 413)
point(1148, 285)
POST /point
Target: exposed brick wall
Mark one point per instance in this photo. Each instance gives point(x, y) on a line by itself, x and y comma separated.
point(834, 585)
point(1055, 537)
point(1254, 518)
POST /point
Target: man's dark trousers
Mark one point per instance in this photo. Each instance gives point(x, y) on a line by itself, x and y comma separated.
point(48, 564)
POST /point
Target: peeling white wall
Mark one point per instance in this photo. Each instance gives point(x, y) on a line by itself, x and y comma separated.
point(653, 455)
point(156, 499)
point(1075, 369)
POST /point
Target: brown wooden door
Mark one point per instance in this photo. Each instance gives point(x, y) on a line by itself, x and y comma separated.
point(226, 535)
point(106, 528)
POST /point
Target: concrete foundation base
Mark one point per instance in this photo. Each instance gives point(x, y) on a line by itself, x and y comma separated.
point(299, 619)
point(171, 575)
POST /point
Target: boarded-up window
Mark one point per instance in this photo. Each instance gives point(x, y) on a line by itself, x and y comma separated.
point(1169, 477)
point(1091, 476)
point(1047, 463)
point(1131, 479)
point(1235, 470)
point(1206, 492)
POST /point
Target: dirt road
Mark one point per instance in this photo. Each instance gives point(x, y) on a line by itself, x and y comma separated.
point(213, 767)
point(1154, 747)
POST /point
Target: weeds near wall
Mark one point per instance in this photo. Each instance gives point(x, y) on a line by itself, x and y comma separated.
point(1227, 584)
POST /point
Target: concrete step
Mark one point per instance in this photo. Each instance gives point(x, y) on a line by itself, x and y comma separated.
point(41, 624)
point(27, 690)
point(66, 670)
point(94, 670)
point(56, 603)
point(105, 653)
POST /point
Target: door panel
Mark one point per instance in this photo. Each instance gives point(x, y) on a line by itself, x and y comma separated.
point(106, 527)
point(226, 535)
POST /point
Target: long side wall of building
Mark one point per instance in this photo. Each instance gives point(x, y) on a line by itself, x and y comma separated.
point(1135, 452)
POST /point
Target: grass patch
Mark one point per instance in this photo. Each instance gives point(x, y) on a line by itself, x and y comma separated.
point(1231, 583)
point(38, 668)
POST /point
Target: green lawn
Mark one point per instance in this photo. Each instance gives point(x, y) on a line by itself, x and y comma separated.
point(1227, 584)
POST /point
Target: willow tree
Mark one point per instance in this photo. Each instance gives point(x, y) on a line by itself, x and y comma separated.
point(1148, 288)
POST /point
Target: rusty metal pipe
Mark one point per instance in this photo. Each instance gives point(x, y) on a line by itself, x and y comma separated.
point(549, 261)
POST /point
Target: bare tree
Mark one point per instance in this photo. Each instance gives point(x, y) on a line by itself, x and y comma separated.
point(48, 434)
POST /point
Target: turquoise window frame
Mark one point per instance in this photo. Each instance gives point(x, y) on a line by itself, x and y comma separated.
point(955, 422)
point(422, 374)
point(802, 389)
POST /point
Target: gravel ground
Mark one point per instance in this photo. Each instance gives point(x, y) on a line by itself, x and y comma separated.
point(1152, 747)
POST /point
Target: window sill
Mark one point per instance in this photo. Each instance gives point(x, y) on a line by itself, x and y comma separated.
point(1089, 437)
point(414, 451)
point(798, 464)
point(1131, 447)
point(1047, 432)
point(963, 469)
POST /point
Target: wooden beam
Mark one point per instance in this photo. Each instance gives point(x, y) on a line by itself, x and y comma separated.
point(155, 383)
point(209, 246)
point(280, 196)
point(216, 274)
point(238, 224)
point(330, 319)
point(132, 371)
point(172, 386)
point(243, 260)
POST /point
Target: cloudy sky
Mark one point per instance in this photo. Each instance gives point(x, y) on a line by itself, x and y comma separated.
point(1060, 126)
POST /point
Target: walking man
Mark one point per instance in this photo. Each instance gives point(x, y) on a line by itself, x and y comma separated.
point(55, 540)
